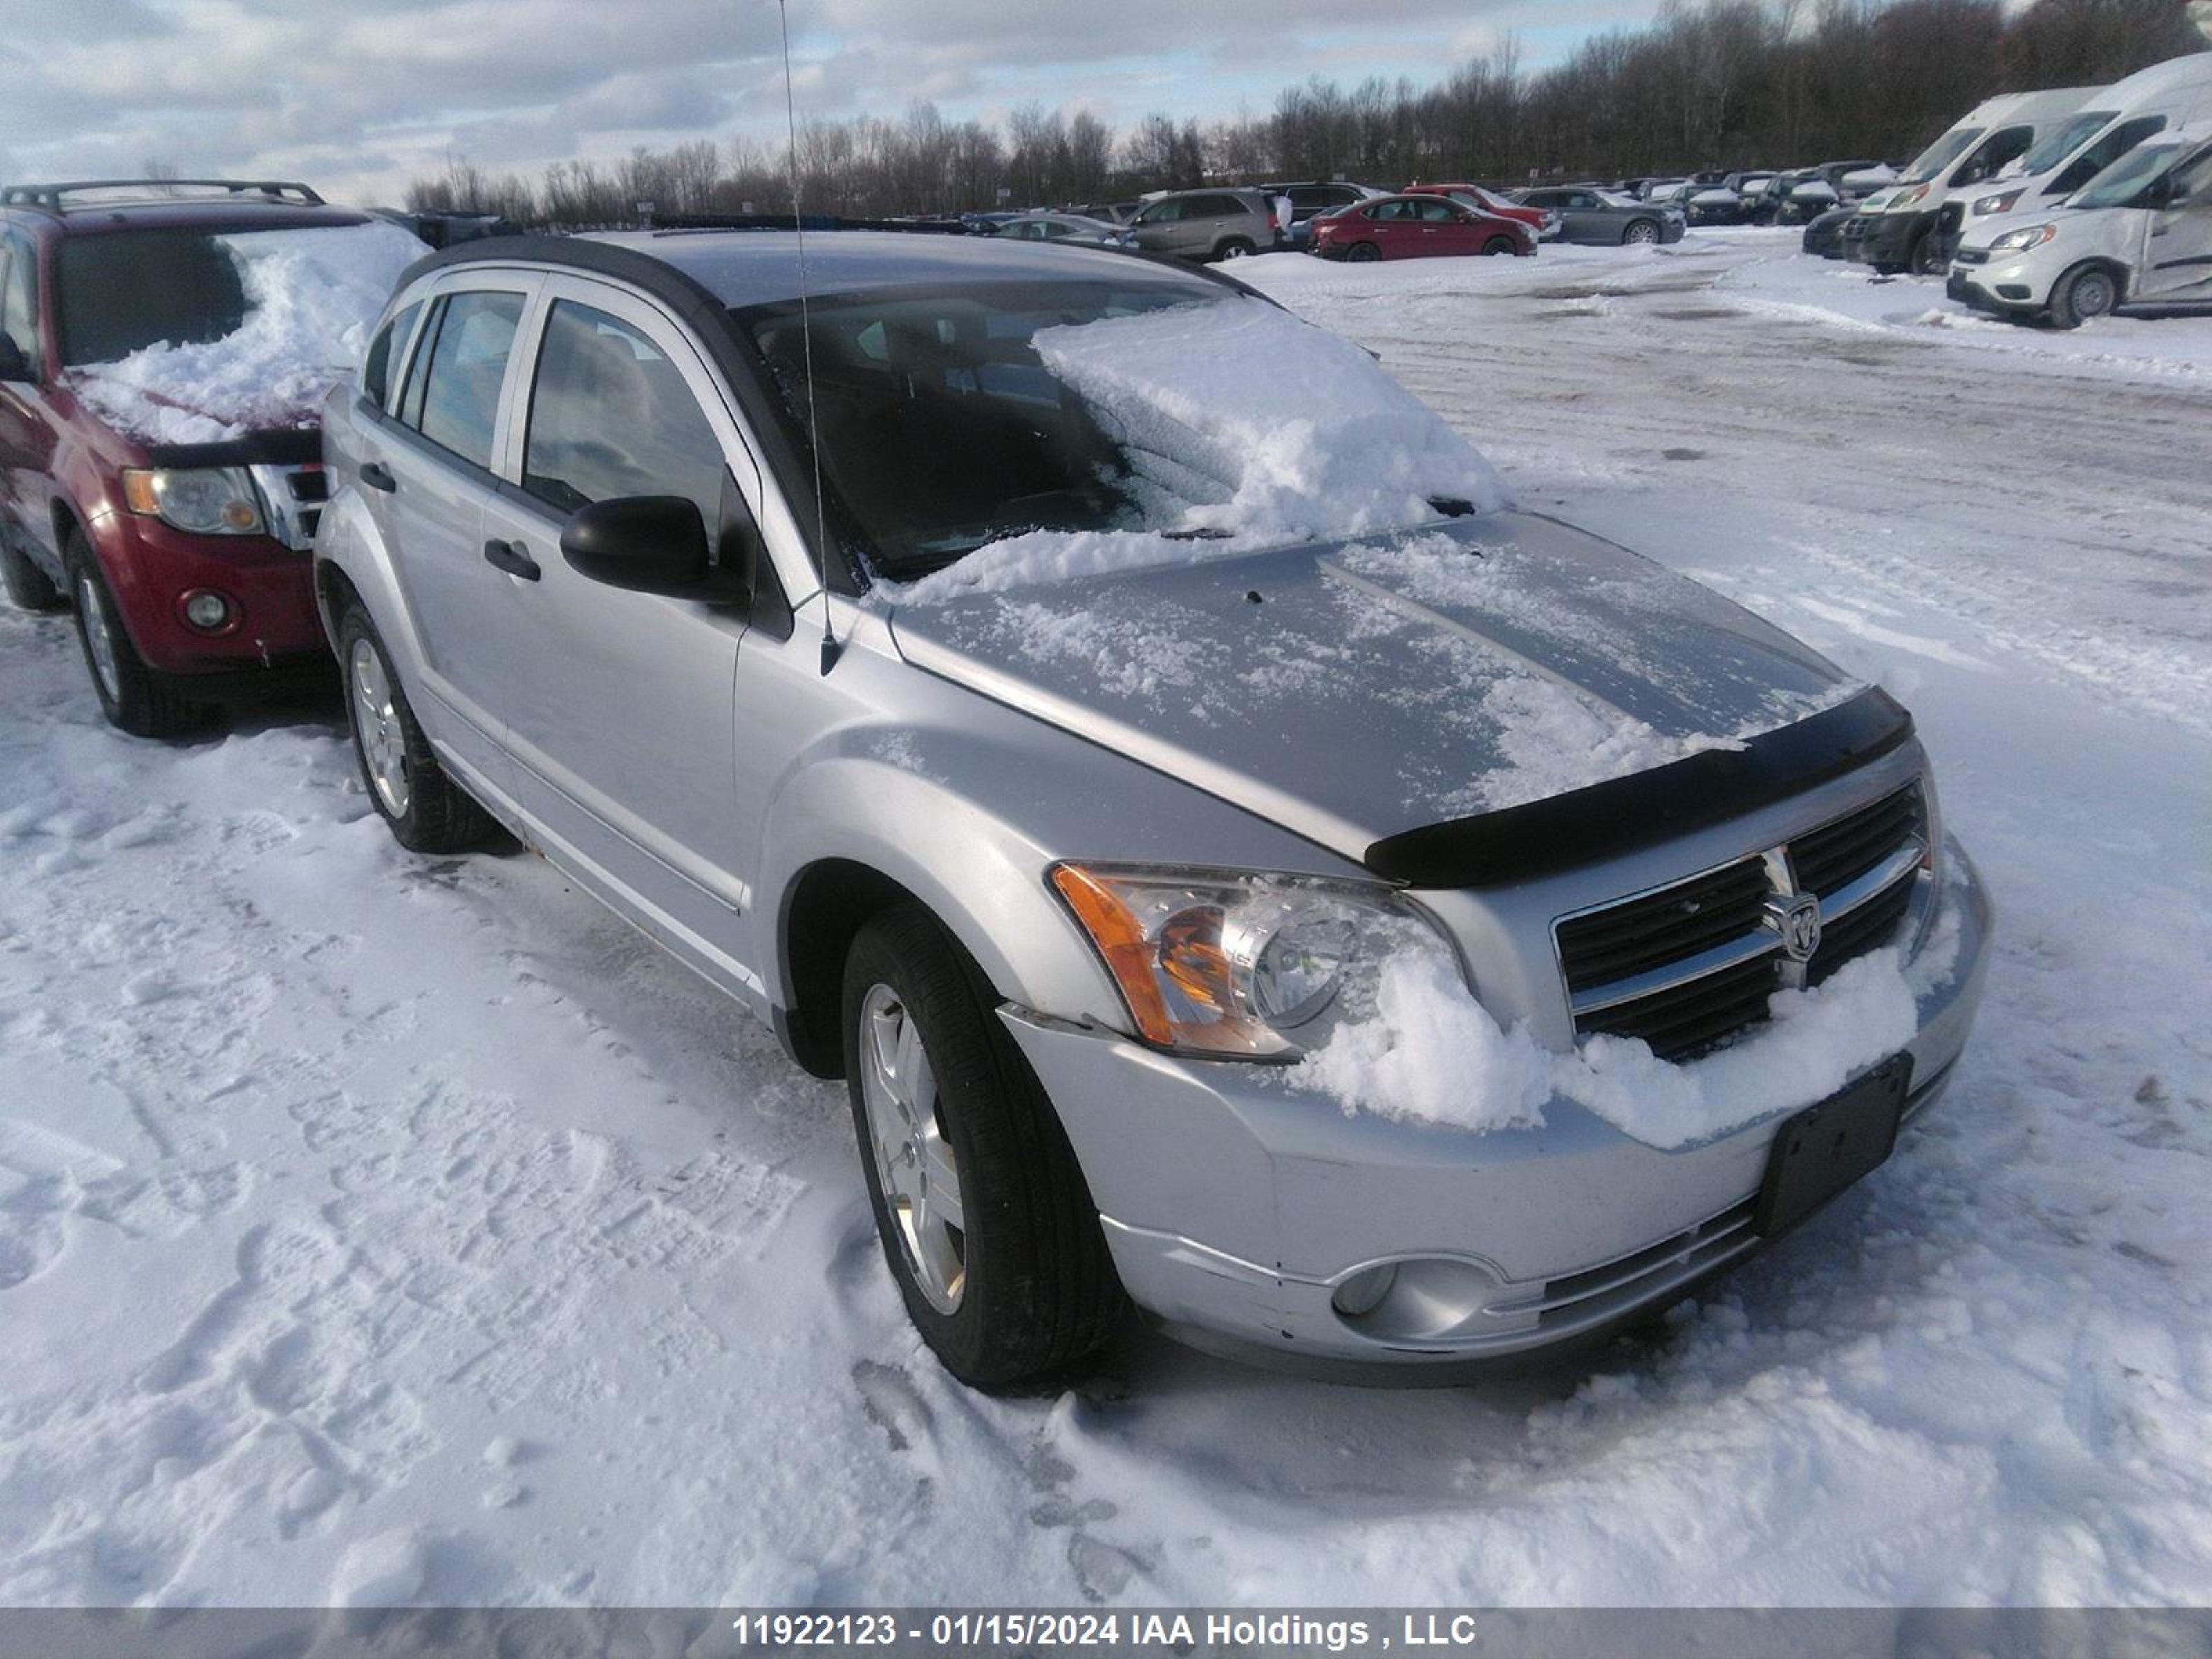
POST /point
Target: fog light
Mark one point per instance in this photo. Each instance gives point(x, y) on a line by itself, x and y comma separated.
point(1364, 1291)
point(209, 612)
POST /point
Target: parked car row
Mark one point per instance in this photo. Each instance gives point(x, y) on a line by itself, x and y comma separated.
point(2060, 205)
point(605, 513)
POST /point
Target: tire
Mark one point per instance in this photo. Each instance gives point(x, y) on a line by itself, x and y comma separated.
point(1362, 252)
point(425, 811)
point(1235, 248)
point(2083, 293)
point(1498, 245)
point(134, 697)
point(1920, 259)
point(1021, 1288)
point(1639, 233)
point(29, 586)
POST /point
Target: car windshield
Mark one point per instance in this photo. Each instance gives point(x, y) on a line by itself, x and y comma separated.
point(941, 428)
point(1145, 407)
point(1940, 155)
point(2121, 182)
point(2057, 146)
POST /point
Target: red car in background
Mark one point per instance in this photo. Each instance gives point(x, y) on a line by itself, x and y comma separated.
point(161, 461)
point(1414, 227)
point(1542, 221)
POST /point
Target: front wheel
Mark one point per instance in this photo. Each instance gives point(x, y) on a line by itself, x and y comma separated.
point(1498, 245)
point(425, 811)
point(984, 1217)
point(1362, 252)
point(1925, 260)
point(2083, 293)
point(134, 697)
point(1640, 232)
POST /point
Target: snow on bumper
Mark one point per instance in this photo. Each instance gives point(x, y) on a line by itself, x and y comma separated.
point(1237, 1209)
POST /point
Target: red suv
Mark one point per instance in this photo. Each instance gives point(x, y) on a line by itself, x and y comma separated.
point(159, 459)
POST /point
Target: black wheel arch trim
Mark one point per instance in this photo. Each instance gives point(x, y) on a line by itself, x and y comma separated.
point(1622, 815)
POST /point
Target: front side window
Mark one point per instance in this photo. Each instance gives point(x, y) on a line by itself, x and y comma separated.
point(610, 416)
point(1439, 212)
point(1162, 213)
point(391, 340)
point(2001, 148)
point(467, 365)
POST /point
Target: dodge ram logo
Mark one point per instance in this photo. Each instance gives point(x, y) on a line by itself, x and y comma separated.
point(1797, 918)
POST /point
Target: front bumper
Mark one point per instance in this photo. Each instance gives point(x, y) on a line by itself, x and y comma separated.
point(2001, 289)
point(151, 567)
point(1236, 1207)
point(1885, 240)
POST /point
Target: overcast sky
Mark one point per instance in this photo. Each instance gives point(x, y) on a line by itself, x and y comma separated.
point(355, 95)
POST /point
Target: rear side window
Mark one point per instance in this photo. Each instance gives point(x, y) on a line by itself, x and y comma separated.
point(391, 340)
point(458, 404)
point(610, 416)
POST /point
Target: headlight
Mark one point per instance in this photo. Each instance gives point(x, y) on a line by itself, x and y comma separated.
point(2019, 241)
point(2000, 203)
point(207, 500)
point(1232, 966)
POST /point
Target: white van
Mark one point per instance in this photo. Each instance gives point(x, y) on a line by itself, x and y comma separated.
point(2137, 234)
point(1893, 229)
point(2150, 101)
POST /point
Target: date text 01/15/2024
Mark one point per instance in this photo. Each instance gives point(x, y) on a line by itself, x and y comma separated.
point(1175, 1631)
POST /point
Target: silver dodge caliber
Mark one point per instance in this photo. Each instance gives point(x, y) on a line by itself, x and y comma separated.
point(1386, 953)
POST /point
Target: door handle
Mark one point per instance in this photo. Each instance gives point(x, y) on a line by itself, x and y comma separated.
point(510, 557)
point(377, 476)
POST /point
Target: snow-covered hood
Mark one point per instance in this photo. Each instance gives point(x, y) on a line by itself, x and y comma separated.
point(1354, 690)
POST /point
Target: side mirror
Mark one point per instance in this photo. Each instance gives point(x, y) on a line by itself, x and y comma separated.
point(13, 364)
point(651, 544)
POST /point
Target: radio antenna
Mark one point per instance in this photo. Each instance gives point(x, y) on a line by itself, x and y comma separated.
point(807, 340)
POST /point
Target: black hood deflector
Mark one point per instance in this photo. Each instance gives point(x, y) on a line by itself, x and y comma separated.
point(1606, 820)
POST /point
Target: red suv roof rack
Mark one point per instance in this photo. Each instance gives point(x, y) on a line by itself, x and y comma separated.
point(50, 196)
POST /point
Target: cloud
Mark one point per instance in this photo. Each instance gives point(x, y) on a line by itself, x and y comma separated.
point(356, 94)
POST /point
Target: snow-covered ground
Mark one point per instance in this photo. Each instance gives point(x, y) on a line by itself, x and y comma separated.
point(376, 1229)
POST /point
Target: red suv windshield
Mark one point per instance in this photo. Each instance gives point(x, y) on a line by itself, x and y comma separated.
point(122, 291)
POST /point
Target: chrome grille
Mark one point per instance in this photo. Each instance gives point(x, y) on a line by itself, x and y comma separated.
point(1690, 963)
point(293, 498)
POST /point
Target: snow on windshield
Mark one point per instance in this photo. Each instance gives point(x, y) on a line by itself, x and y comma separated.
point(1425, 1051)
point(310, 297)
point(1244, 427)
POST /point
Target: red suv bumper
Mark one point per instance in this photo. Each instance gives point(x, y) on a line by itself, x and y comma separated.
point(268, 587)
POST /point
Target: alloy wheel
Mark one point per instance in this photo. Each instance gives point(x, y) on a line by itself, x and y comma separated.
point(99, 636)
point(376, 723)
point(914, 1163)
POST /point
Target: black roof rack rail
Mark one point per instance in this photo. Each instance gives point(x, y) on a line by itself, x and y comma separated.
point(49, 196)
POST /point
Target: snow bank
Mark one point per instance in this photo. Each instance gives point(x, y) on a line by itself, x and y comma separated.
point(312, 294)
point(1427, 1052)
point(1245, 426)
